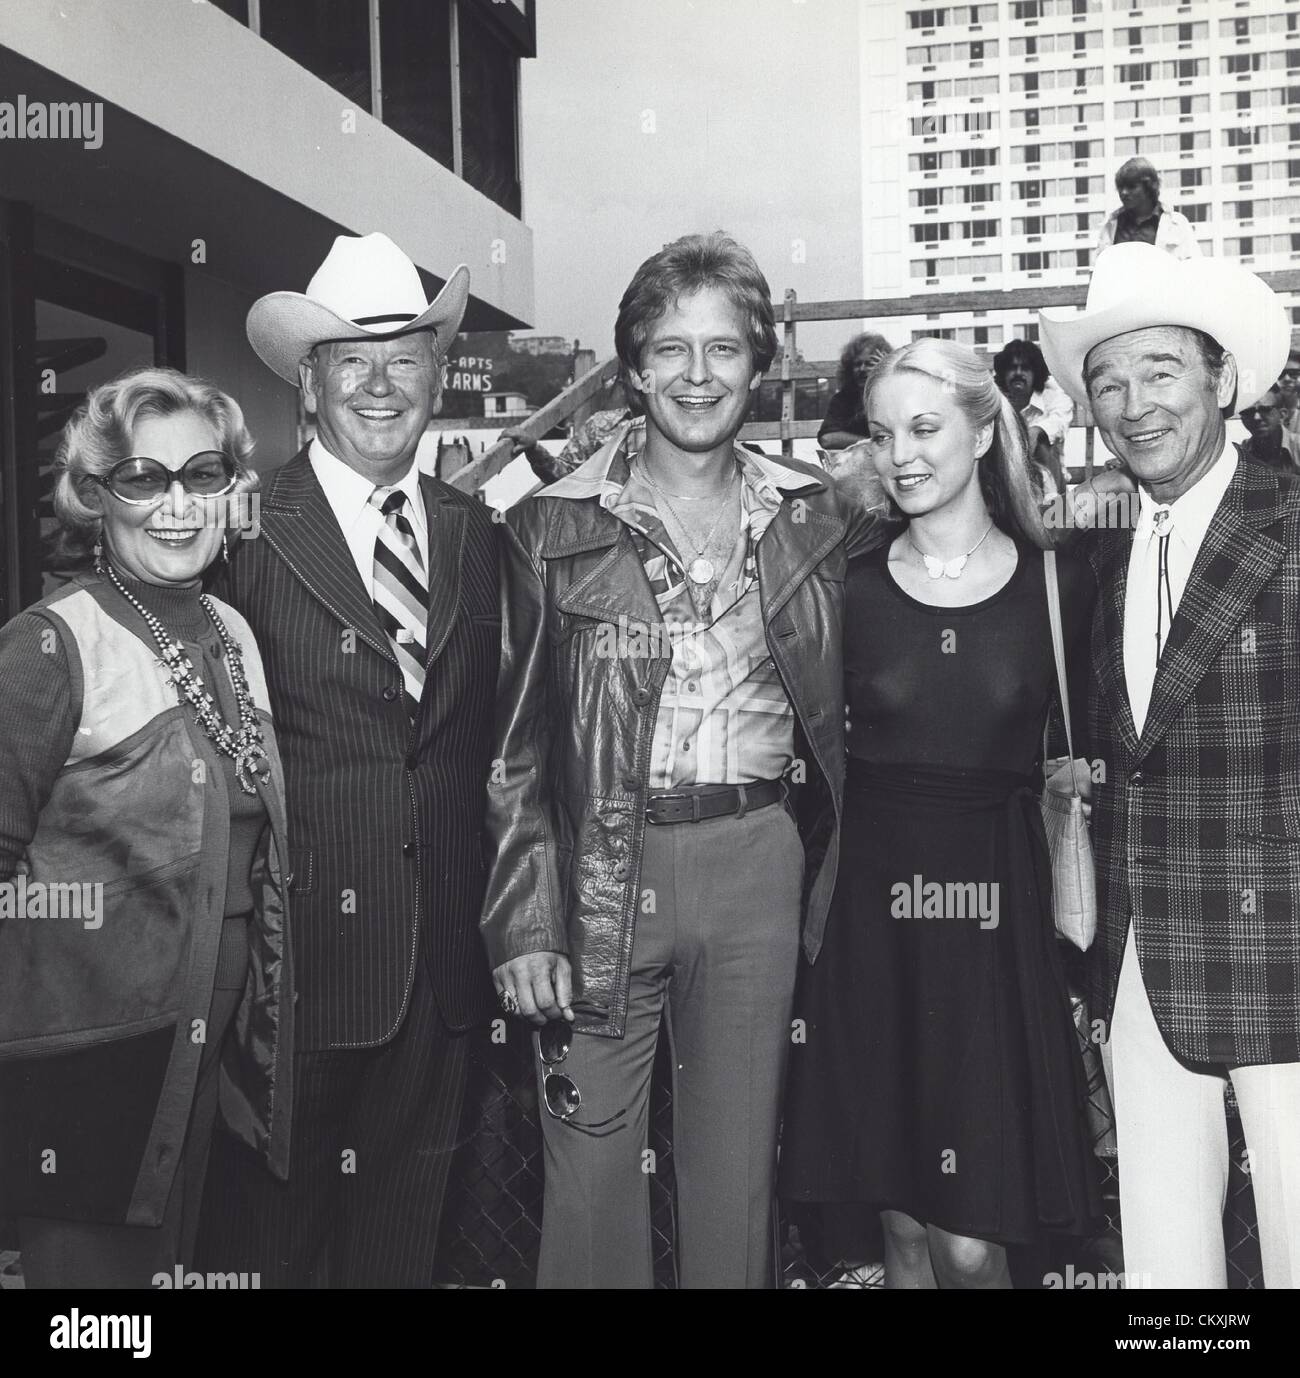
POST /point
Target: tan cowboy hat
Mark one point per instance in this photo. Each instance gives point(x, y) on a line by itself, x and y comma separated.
point(1135, 286)
point(367, 288)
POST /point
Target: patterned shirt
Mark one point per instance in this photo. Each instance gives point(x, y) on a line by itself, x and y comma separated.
point(724, 717)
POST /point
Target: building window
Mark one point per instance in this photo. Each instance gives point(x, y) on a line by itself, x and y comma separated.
point(415, 56)
point(330, 38)
point(489, 79)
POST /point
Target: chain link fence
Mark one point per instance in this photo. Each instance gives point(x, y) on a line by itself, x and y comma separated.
point(492, 1218)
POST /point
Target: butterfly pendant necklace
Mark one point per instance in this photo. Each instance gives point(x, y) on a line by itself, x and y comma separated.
point(947, 569)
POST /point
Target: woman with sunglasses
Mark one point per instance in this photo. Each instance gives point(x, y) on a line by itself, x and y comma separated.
point(144, 958)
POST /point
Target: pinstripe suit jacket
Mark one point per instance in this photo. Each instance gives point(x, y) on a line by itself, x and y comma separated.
point(385, 818)
point(1196, 829)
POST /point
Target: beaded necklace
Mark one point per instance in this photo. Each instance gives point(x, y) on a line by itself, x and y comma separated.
point(245, 747)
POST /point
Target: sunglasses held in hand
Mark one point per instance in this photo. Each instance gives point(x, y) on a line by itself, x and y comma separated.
point(560, 1091)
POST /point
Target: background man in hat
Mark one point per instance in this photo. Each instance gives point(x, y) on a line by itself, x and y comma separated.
point(1142, 219)
point(1196, 716)
point(373, 594)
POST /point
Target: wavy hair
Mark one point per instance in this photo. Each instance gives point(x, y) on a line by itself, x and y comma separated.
point(687, 265)
point(98, 436)
point(1008, 478)
point(1030, 353)
point(859, 347)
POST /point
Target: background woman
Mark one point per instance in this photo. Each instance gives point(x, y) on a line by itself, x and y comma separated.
point(940, 1080)
point(138, 770)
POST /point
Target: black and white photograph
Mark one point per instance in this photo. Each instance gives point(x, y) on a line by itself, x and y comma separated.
point(649, 645)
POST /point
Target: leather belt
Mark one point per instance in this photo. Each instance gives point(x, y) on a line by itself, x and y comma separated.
point(694, 803)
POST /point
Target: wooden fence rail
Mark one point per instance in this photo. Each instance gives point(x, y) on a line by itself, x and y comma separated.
point(787, 368)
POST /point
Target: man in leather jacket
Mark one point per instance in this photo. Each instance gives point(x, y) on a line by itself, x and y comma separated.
point(672, 675)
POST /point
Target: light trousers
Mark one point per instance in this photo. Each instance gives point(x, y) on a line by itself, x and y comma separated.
point(714, 956)
point(1172, 1140)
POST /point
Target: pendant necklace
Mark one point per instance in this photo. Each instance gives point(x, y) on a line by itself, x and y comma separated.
point(701, 569)
point(245, 747)
point(938, 568)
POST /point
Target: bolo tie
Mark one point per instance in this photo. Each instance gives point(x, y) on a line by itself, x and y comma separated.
point(1162, 522)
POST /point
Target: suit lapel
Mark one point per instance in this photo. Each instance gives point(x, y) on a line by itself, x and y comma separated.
point(446, 527)
point(1111, 565)
point(1234, 562)
point(299, 525)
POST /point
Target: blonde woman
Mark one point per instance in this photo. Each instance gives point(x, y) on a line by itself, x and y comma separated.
point(138, 776)
point(939, 1082)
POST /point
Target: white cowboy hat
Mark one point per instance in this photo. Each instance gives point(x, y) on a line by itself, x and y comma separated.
point(367, 288)
point(1135, 286)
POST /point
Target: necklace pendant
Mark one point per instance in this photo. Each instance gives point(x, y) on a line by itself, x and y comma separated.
point(701, 571)
point(249, 767)
point(945, 569)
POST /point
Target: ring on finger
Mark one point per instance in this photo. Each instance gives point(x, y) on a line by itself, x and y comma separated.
point(508, 1002)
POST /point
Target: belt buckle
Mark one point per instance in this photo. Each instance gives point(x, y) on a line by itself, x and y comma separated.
point(673, 796)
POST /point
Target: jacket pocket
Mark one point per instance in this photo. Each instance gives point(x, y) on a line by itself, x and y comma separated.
point(1270, 839)
point(302, 871)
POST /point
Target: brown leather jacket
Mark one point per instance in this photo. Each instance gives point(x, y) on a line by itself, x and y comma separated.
point(567, 797)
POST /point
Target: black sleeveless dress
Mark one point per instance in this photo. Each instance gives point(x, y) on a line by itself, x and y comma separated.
point(939, 1072)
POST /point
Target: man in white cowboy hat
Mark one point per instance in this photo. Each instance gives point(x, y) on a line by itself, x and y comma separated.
point(1196, 717)
point(373, 595)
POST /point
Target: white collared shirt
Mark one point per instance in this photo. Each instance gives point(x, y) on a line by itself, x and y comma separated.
point(348, 493)
point(1192, 514)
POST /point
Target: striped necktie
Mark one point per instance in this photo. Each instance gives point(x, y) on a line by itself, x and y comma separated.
point(401, 594)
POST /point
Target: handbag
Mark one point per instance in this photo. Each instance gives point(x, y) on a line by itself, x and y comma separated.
point(1074, 882)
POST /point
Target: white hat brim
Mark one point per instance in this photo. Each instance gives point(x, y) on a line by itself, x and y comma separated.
point(283, 327)
point(1229, 303)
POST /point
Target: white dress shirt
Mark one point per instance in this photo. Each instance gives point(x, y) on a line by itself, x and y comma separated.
point(1191, 515)
point(349, 498)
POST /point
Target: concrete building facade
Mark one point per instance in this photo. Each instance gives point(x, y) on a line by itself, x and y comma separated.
point(165, 162)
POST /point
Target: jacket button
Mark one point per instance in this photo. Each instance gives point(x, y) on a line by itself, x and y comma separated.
point(391, 692)
point(408, 848)
point(621, 871)
point(412, 763)
point(640, 697)
point(1137, 778)
point(631, 784)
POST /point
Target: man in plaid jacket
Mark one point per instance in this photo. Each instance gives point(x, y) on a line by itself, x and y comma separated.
point(1196, 720)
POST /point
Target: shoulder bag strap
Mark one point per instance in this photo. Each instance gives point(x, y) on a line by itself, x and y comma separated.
point(1058, 652)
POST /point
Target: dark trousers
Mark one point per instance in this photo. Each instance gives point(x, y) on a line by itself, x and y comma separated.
point(715, 953)
point(374, 1134)
point(69, 1253)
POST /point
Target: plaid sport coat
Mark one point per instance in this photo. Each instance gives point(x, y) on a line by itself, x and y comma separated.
point(1196, 826)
